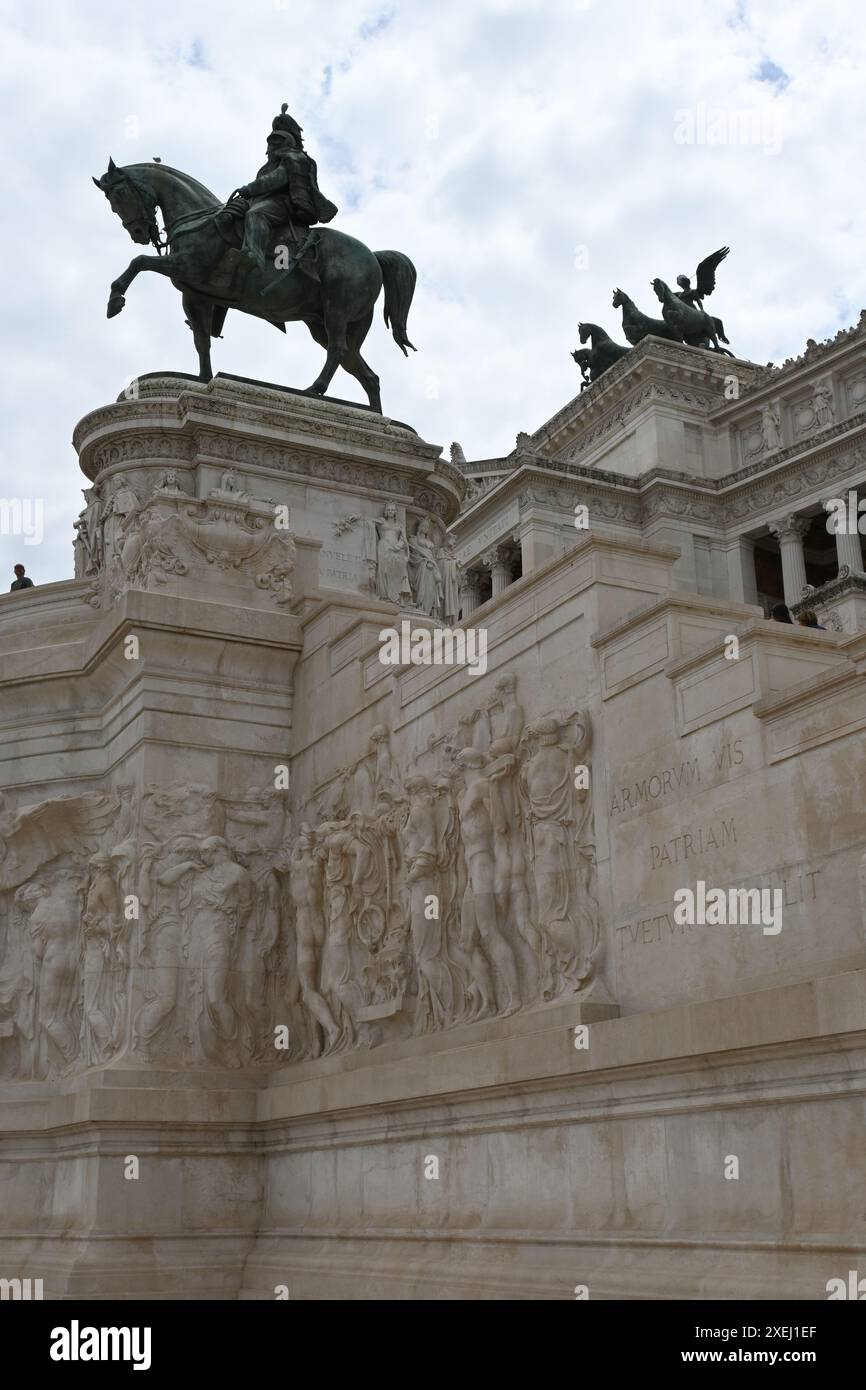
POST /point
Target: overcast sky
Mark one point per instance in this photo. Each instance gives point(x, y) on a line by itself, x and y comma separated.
point(528, 157)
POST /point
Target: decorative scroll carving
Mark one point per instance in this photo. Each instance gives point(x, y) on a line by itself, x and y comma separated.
point(171, 536)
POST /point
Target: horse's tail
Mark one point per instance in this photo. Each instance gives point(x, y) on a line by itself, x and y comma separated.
point(398, 278)
point(720, 330)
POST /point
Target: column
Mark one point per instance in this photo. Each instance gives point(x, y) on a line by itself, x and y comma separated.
point(847, 547)
point(789, 532)
point(469, 589)
point(742, 581)
point(498, 561)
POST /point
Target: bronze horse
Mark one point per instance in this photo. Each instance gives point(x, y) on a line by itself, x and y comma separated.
point(200, 235)
point(603, 351)
point(637, 326)
point(690, 324)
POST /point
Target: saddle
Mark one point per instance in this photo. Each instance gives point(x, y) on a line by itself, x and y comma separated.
point(230, 275)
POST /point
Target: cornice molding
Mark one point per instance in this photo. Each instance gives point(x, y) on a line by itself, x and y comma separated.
point(256, 428)
point(719, 502)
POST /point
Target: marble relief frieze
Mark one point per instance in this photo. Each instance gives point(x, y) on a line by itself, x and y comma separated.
point(190, 924)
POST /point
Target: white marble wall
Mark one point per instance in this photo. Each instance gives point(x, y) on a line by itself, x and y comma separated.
point(239, 978)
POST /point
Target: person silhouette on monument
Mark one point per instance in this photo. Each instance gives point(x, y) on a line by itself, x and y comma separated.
point(21, 581)
point(284, 196)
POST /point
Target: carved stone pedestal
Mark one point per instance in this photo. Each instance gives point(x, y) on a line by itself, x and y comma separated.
point(322, 472)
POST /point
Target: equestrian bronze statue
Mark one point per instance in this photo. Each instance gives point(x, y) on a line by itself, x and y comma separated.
point(265, 253)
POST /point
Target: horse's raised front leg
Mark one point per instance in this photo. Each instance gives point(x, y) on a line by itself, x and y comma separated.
point(162, 265)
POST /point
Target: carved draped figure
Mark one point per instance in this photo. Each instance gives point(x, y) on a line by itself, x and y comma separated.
point(105, 961)
point(220, 903)
point(54, 924)
point(424, 573)
point(391, 553)
point(307, 890)
point(449, 573)
point(336, 846)
point(559, 872)
point(165, 900)
point(435, 982)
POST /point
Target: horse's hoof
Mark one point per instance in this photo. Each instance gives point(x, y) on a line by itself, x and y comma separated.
point(315, 390)
point(115, 304)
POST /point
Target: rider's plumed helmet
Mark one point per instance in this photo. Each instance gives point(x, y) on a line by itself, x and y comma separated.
point(285, 125)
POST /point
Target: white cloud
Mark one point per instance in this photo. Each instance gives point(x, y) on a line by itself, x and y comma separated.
point(487, 139)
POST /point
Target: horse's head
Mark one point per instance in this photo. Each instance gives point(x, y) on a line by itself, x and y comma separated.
point(135, 208)
point(661, 289)
point(584, 329)
point(618, 299)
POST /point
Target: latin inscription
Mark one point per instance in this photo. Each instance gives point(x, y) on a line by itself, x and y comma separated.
point(692, 844)
point(345, 555)
point(668, 780)
point(352, 568)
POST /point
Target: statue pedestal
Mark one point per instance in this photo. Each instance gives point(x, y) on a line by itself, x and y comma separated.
point(324, 468)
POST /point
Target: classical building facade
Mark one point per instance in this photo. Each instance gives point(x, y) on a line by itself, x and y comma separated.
point(327, 971)
point(730, 463)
